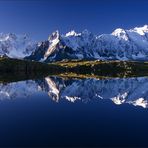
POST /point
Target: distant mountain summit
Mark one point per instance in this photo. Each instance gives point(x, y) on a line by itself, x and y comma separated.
point(16, 46)
point(121, 44)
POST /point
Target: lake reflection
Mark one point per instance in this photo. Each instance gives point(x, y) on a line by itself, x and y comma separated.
point(133, 91)
point(62, 112)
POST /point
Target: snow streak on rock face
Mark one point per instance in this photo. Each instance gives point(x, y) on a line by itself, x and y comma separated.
point(131, 90)
point(120, 45)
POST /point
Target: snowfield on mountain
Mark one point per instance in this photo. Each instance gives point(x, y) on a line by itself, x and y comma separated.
point(121, 44)
point(16, 46)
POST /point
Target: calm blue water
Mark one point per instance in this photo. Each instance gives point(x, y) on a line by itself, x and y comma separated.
point(74, 112)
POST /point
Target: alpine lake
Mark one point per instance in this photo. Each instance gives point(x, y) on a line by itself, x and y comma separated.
point(73, 104)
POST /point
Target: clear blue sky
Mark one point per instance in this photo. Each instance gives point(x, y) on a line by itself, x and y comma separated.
point(39, 18)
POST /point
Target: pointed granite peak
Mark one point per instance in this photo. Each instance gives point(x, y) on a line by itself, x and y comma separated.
point(55, 35)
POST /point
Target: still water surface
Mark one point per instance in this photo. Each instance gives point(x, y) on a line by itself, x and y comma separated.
point(56, 111)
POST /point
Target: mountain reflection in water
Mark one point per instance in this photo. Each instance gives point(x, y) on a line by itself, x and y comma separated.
point(132, 91)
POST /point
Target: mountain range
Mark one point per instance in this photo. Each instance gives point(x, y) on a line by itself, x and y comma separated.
point(16, 46)
point(121, 44)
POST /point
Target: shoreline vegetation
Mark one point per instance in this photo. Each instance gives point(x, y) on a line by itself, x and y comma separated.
point(24, 69)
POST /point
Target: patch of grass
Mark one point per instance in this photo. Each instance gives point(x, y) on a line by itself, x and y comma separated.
point(23, 69)
point(106, 68)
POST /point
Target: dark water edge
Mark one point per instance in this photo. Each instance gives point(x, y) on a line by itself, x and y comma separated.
point(20, 76)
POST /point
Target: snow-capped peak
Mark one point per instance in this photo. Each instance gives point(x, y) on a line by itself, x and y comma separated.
point(53, 41)
point(121, 44)
point(120, 33)
point(141, 30)
point(55, 35)
point(9, 36)
point(72, 33)
point(16, 46)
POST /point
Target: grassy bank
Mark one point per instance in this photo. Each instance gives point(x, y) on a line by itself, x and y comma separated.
point(29, 69)
point(106, 68)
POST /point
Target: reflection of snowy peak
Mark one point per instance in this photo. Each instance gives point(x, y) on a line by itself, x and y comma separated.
point(131, 90)
point(120, 44)
point(17, 89)
point(118, 90)
point(49, 86)
point(16, 46)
